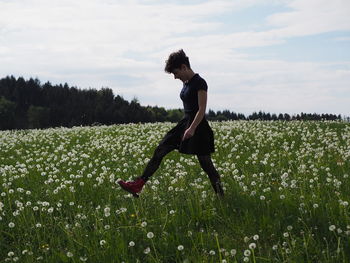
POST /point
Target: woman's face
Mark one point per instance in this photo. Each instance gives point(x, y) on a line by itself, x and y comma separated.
point(180, 73)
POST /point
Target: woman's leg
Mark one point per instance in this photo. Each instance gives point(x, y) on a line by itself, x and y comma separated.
point(208, 166)
point(156, 160)
point(135, 187)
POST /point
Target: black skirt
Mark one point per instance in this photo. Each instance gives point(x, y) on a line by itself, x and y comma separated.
point(201, 143)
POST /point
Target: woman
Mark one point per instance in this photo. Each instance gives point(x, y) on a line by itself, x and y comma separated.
point(192, 135)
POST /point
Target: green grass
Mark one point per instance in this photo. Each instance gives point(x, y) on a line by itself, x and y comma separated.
point(286, 184)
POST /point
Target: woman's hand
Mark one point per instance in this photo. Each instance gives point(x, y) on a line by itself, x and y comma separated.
point(188, 133)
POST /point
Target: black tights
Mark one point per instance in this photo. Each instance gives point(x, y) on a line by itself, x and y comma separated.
point(204, 160)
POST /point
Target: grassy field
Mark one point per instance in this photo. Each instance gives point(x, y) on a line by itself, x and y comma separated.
point(286, 183)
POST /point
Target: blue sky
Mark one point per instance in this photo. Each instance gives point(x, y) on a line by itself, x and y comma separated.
point(276, 56)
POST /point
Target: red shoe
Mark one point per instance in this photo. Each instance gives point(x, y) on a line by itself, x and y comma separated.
point(133, 187)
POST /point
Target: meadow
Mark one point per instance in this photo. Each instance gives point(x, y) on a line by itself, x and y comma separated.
point(286, 184)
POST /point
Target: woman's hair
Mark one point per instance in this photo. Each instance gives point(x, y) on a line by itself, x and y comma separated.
point(175, 60)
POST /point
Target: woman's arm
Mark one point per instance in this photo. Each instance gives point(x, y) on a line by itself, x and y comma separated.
point(202, 104)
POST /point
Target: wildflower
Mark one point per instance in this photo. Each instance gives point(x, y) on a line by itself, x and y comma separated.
point(10, 254)
point(332, 228)
point(11, 225)
point(131, 243)
point(69, 254)
point(102, 242)
point(286, 234)
point(256, 237)
point(150, 235)
point(247, 253)
point(144, 224)
point(147, 250)
point(212, 252)
point(180, 247)
point(252, 245)
point(233, 252)
point(245, 259)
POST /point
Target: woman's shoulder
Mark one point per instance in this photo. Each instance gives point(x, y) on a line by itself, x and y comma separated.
point(200, 83)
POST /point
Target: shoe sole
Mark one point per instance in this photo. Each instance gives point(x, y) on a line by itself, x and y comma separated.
point(126, 189)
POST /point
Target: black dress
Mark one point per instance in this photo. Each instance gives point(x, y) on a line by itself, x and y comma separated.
point(202, 142)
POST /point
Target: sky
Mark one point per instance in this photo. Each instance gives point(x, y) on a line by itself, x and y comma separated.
point(277, 56)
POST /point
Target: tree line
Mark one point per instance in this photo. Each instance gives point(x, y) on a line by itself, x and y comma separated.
point(29, 104)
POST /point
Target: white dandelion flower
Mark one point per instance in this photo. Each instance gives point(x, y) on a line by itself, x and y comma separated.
point(131, 243)
point(247, 253)
point(332, 228)
point(252, 245)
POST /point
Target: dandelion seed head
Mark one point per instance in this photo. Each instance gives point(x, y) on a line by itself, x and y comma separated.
point(252, 245)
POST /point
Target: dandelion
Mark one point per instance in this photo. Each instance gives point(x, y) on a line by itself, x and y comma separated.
point(69, 254)
point(144, 224)
point(286, 234)
point(180, 247)
point(256, 237)
point(246, 259)
point(11, 225)
point(212, 252)
point(11, 254)
point(247, 253)
point(332, 228)
point(252, 246)
point(147, 250)
point(150, 235)
point(131, 243)
point(103, 242)
point(233, 252)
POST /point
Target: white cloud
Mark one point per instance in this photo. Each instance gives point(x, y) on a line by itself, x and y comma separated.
point(123, 45)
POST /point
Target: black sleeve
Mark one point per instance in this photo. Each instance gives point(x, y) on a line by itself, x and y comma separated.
point(201, 84)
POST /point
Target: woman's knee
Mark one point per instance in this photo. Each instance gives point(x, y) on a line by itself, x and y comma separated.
point(161, 151)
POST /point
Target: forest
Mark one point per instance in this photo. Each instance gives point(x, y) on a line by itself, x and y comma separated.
point(28, 104)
